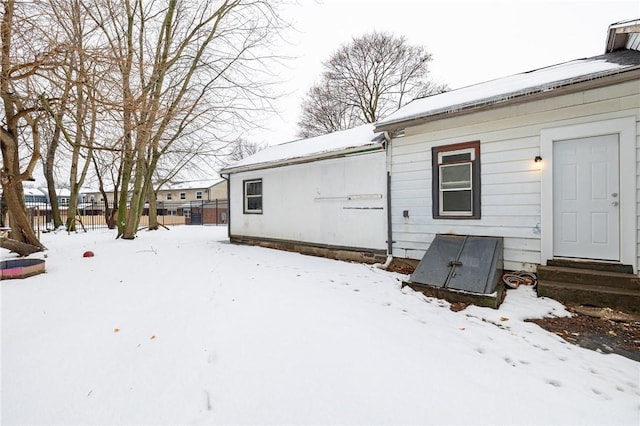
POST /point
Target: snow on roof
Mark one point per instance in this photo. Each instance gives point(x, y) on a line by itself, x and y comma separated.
point(318, 146)
point(514, 86)
point(34, 191)
point(191, 184)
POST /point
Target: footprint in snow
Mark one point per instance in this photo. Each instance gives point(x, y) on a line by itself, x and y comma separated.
point(509, 361)
point(600, 393)
point(554, 383)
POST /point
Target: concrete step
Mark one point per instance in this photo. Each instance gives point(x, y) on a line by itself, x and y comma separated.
point(588, 277)
point(594, 266)
point(627, 300)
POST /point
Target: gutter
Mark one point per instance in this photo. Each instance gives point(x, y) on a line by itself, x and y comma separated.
point(387, 263)
point(228, 202)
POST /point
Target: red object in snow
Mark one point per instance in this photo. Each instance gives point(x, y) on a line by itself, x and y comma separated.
point(88, 254)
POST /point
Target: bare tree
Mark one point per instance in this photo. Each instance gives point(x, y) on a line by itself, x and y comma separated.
point(21, 57)
point(78, 77)
point(327, 110)
point(240, 149)
point(182, 65)
point(365, 80)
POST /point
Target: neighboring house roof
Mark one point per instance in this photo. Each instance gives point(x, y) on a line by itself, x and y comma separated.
point(357, 139)
point(63, 192)
point(33, 191)
point(191, 184)
point(624, 64)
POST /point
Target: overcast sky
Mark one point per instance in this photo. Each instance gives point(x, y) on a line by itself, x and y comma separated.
point(471, 41)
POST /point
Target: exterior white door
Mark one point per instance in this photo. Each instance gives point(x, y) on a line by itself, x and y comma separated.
point(586, 200)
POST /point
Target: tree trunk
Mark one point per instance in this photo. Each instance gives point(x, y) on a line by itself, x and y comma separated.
point(71, 213)
point(137, 198)
point(152, 198)
point(3, 211)
point(21, 227)
point(48, 175)
point(23, 249)
point(14, 111)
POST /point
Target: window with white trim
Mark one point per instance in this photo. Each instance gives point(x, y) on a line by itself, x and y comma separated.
point(253, 196)
point(456, 181)
point(183, 195)
point(198, 195)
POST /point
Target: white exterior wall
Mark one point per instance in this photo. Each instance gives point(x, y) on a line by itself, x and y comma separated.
point(511, 195)
point(310, 203)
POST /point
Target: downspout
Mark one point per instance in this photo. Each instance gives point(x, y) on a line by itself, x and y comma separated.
point(387, 263)
point(228, 203)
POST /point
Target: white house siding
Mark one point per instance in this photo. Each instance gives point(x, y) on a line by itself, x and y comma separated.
point(510, 191)
point(337, 202)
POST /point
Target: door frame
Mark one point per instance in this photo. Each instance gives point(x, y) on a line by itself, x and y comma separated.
point(625, 128)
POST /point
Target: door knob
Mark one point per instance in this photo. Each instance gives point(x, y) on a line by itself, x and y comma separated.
point(615, 204)
point(614, 195)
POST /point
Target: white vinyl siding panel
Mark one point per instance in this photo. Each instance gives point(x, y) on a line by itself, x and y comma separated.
point(339, 202)
point(511, 192)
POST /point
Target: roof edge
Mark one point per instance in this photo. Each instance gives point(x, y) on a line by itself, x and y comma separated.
point(562, 87)
point(376, 145)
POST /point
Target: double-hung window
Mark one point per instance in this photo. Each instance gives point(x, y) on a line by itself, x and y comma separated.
point(253, 196)
point(456, 181)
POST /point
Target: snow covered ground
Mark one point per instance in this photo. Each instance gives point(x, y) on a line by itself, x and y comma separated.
point(181, 327)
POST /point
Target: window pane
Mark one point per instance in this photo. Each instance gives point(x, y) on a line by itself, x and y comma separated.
point(254, 188)
point(254, 203)
point(456, 201)
point(454, 158)
point(455, 177)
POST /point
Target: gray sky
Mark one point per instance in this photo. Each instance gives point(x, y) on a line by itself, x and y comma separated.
point(471, 41)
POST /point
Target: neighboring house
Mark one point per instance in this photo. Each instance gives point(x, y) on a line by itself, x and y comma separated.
point(192, 202)
point(548, 159)
point(195, 190)
point(324, 195)
point(33, 196)
point(199, 201)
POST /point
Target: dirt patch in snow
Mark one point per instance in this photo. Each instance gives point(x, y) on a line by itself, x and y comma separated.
point(601, 330)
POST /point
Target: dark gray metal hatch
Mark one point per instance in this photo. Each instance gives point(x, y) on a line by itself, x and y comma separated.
point(462, 263)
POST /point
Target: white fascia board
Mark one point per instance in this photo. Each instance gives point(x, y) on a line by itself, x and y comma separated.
point(362, 149)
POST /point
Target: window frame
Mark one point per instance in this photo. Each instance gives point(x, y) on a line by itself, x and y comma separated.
point(183, 195)
point(439, 162)
point(198, 195)
point(245, 196)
